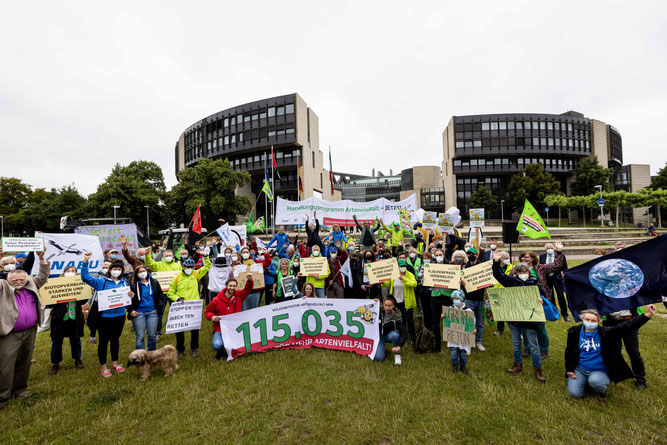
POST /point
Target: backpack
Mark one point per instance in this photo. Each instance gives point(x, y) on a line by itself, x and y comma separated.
point(424, 340)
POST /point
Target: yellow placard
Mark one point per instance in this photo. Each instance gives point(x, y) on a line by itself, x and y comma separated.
point(446, 276)
point(516, 304)
point(165, 278)
point(64, 289)
point(479, 276)
point(383, 270)
point(314, 266)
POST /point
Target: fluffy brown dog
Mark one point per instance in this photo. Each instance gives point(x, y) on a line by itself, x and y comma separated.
point(165, 357)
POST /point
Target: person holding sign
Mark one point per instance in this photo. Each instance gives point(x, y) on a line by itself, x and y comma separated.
point(66, 322)
point(110, 322)
point(229, 301)
point(403, 290)
point(459, 352)
point(442, 297)
point(284, 272)
point(148, 302)
point(318, 280)
point(21, 261)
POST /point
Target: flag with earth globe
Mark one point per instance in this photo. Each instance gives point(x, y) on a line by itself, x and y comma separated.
point(626, 279)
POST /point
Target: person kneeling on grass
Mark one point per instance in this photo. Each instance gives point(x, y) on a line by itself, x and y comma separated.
point(591, 354)
point(392, 329)
point(228, 301)
point(459, 352)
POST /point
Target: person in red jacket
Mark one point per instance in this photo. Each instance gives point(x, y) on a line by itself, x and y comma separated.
point(228, 301)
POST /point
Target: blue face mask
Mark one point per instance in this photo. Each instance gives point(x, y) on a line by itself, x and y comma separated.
point(457, 302)
point(113, 256)
point(590, 325)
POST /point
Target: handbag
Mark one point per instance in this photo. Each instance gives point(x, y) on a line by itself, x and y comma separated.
point(550, 311)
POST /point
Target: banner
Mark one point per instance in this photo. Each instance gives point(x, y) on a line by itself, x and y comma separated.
point(63, 250)
point(288, 286)
point(165, 278)
point(383, 270)
point(22, 244)
point(531, 223)
point(314, 266)
point(109, 236)
point(113, 298)
point(458, 326)
point(238, 235)
point(64, 289)
point(344, 325)
point(184, 316)
point(257, 272)
point(341, 212)
point(479, 276)
point(430, 220)
point(446, 276)
point(626, 279)
point(516, 303)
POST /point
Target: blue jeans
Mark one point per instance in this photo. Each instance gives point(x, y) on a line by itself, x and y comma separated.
point(530, 338)
point(57, 349)
point(217, 343)
point(542, 338)
point(597, 380)
point(477, 308)
point(319, 291)
point(251, 302)
point(459, 356)
point(145, 321)
point(392, 337)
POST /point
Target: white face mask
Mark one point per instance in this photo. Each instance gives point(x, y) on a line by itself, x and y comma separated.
point(296, 263)
point(245, 256)
point(506, 262)
point(402, 269)
point(316, 253)
point(9, 267)
point(440, 259)
point(105, 271)
point(116, 273)
point(550, 251)
point(493, 246)
point(523, 276)
point(69, 274)
point(187, 271)
point(413, 255)
point(427, 261)
point(142, 275)
point(169, 259)
point(235, 258)
point(333, 255)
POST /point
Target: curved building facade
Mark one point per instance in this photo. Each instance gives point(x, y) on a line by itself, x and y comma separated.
point(487, 149)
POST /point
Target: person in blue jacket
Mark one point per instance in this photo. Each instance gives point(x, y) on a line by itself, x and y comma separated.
point(281, 239)
point(110, 322)
point(337, 237)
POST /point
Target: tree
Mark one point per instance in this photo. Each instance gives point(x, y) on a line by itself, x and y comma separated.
point(212, 185)
point(483, 199)
point(559, 200)
point(660, 181)
point(14, 198)
point(533, 184)
point(47, 207)
point(587, 175)
point(132, 187)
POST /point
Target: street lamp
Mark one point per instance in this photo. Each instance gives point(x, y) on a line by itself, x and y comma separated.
point(601, 202)
point(502, 210)
point(114, 213)
point(148, 226)
point(2, 226)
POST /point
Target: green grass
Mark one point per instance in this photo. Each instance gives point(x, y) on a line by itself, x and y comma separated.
point(321, 396)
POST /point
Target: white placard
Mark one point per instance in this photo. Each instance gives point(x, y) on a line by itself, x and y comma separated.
point(184, 316)
point(22, 244)
point(113, 298)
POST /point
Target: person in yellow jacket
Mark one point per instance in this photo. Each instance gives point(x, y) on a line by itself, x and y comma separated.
point(397, 234)
point(168, 262)
point(403, 290)
point(185, 286)
point(318, 280)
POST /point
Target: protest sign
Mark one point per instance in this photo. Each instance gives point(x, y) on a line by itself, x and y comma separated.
point(256, 271)
point(445, 222)
point(109, 237)
point(516, 304)
point(184, 316)
point(22, 244)
point(345, 325)
point(446, 276)
point(165, 278)
point(314, 266)
point(64, 250)
point(458, 326)
point(288, 286)
point(64, 289)
point(476, 217)
point(430, 220)
point(113, 298)
point(383, 270)
point(479, 276)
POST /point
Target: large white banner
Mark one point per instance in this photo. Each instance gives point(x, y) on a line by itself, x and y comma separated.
point(66, 249)
point(341, 212)
point(109, 236)
point(346, 325)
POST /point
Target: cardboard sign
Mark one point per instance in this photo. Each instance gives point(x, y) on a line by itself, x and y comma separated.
point(479, 276)
point(288, 286)
point(430, 220)
point(165, 278)
point(381, 271)
point(184, 316)
point(314, 266)
point(458, 326)
point(516, 304)
point(113, 298)
point(445, 223)
point(23, 244)
point(446, 276)
point(241, 271)
point(64, 289)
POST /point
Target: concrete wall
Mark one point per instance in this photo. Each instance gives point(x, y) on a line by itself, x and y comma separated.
point(448, 177)
point(426, 176)
point(640, 177)
point(600, 142)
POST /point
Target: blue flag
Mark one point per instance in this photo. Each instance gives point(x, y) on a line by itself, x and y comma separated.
point(626, 279)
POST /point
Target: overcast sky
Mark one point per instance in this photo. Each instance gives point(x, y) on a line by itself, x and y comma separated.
point(87, 84)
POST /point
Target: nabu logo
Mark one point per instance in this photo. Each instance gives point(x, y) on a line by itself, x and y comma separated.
point(366, 314)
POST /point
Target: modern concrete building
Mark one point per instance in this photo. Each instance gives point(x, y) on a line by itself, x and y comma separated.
point(244, 135)
point(632, 178)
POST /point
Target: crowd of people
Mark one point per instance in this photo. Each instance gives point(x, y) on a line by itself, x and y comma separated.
point(410, 310)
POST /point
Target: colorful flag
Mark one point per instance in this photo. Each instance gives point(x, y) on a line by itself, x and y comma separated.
point(531, 223)
point(331, 172)
point(404, 216)
point(275, 164)
point(346, 271)
point(300, 179)
point(267, 190)
point(259, 224)
point(196, 221)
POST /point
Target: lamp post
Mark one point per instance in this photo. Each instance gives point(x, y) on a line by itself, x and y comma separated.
point(502, 210)
point(2, 226)
point(148, 226)
point(601, 202)
point(114, 213)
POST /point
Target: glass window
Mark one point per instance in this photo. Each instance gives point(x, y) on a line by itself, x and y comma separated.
point(246, 118)
point(543, 125)
point(536, 142)
point(519, 125)
point(271, 111)
point(280, 111)
point(215, 143)
point(239, 119)
point(477, 143)
point(272, 133)
point(557, 142)
point(550, 142)
point(510, 125)
point(459, 144)
point(289, 109)
point(289, 131)
point(468, 144)
point(262, 115)
point(496, 161)
point(256, 158)
point(485, 126)
point(527, 125)
point(225, 122)
point(543, 142)
point(457, 163)
point(255, 117)
point(506, 161)
point(494, 125)
point(226, 140)
point(570, 143)
point(280, 133)
point(502, 125)
point(240, 137)
point(232, 121)
point(473, 162)
point(569, 127)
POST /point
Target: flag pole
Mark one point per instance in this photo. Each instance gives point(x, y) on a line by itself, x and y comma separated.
point(273, 189)
point(266, 205)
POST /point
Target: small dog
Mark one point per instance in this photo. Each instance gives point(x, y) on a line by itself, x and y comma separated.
point(165, 357)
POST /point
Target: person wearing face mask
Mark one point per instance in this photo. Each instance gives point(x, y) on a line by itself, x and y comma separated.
point(424, 293)
point(86, 307)
point(475, 300)
point(459, 353)
point(220, 272)
point(505, 267)
point(442, 297)
point(397, 234)
point(185, 286)
point(249, 260)
point(356, 267)
point(488, 254)
point(21, 261)
point(147, 303)
point(392, 330)
point(592, 357)
point(403, 290)
point(110, 322)
point(20, 314)
point(555, 280)
point(369, 290)
point(318, 281)
point(66, 322)
point(131, 259)
point(335, 285)
point(313, 233)
point(168, 262)
point(283, 271)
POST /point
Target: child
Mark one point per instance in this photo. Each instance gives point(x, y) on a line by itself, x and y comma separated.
point(459, 352)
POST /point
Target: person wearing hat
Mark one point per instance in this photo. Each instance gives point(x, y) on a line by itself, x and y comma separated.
point(185, 286)
point(397, 234)
point(403, 290)
point(459, 352)
point(475, 300)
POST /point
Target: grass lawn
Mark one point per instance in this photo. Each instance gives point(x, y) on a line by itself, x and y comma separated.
point(320, 396)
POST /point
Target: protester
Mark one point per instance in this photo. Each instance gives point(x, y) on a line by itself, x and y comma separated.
point(220, 272)
point(91, 325)
point(307, 291)
point(20, 314)
point(403, 291)
point(336, 286)
point(357, 270)
point(593, 355)
point(555, 279)
point(21, 261)
point(392, 329)
point(131, 259)
point(281, 239)
point(318, 281)
point(475, 300)
point(459, 352)
point(397, 234)
point(630, 338)
point(505, 268)
point(66, 322)
point(313, 233)
point(424, 292)
point(283, 271)
point(269, 273)
point(147, 303)
point(367, 236)
point(488, 254)
point(249, 260)
point(166, 264)
point(443, 297)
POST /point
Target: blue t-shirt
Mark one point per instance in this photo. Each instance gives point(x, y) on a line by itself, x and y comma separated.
point(590, 354)
point(146, 304)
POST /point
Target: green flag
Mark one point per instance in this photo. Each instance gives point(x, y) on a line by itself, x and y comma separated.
point(267, 189)
point(404, 216)
point(259, 224)
point(531, 223)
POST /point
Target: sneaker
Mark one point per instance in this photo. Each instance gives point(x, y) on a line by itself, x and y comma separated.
point(498, 333)
point(525, 353)
point(23, 395)
point(54, 369)
point(157, 338)
point(544, 355)
point(179, 355)
point(640, 385)
point(93, 340)
point(195, 352)
point(455, 369)
point(119, 369)
point(397, 360)
point(566, 318)
point(481, 347)
point(106, 373)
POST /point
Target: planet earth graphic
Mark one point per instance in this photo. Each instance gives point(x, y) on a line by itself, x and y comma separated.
point(616, 278)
